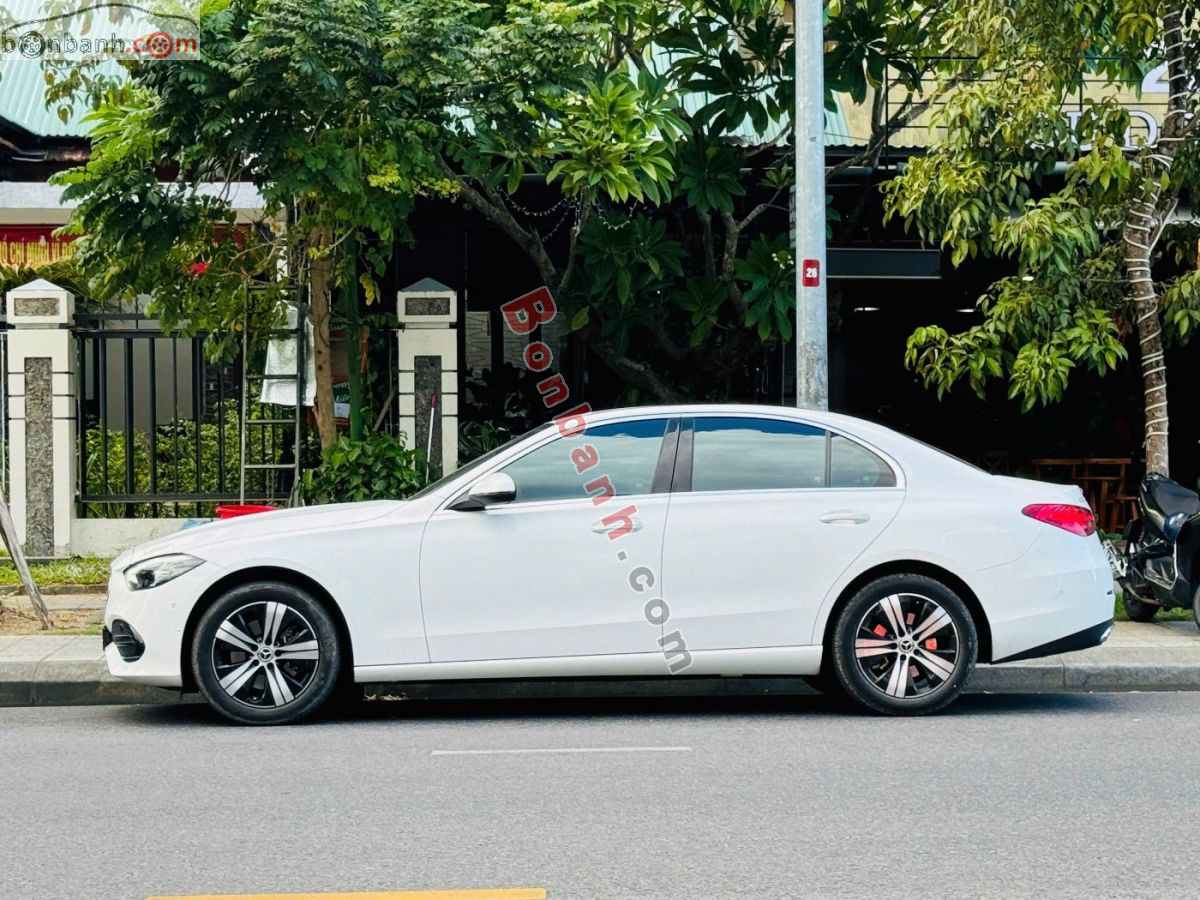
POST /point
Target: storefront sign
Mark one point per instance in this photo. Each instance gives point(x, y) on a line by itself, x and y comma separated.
point(32, 245)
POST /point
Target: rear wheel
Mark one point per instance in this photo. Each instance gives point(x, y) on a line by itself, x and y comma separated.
point(266, 653)
point(904, 645)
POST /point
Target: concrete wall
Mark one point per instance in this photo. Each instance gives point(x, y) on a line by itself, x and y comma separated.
point(109, 537)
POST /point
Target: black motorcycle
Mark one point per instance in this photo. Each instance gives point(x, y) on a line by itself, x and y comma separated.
point(1159, 567)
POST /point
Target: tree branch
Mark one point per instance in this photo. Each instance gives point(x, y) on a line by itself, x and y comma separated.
point(635, 372)
point(528, 241)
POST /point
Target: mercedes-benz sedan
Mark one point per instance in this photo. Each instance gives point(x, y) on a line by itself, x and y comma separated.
point(671, 541)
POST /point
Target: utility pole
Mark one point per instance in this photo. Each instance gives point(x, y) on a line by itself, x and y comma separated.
point(812, 343)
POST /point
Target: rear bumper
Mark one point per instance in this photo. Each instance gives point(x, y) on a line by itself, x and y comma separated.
point(1080, 640)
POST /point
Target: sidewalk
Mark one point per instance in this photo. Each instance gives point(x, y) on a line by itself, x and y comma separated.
point(58, 671)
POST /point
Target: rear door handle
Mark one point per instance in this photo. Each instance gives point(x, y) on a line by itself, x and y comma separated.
point(846, 517)
point(601, 528)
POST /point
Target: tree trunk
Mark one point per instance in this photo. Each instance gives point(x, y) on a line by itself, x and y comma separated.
point(320, 266)
point(1149, 331)
point(1143, 226)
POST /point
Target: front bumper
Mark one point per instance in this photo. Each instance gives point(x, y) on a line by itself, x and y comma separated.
point(156, 618)
point(1080, 640)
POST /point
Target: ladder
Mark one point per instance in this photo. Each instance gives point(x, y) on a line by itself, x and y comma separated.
point(297, 421)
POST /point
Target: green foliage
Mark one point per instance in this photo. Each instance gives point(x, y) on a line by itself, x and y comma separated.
point(770, 275)
point(290, 95)
point(175, 465)
point(379, 467)
point(994, 185)
point(478, 438)
point(64, 272)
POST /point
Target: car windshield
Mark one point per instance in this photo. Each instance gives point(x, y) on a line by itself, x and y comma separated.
point(478, 462)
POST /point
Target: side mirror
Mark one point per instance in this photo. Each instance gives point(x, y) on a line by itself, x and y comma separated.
point(1173, 526)
point(488, 491)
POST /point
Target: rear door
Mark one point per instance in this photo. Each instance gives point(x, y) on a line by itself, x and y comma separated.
point(764, 516)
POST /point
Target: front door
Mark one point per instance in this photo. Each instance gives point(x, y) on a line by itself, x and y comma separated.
point(776, 511)
point(547, 575)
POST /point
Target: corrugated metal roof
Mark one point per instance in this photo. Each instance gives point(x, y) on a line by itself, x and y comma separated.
point(22, 101)
point(22, 94)
point(23, 82)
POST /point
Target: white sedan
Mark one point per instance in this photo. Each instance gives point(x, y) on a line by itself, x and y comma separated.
point(669, 541)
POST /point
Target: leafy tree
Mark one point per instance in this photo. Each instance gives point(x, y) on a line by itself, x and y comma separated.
point(1086, 220)
point(653, 268)
point(664, 126)
point(288, 95)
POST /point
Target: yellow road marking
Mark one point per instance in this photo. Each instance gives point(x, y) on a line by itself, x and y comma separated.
point(484, 894)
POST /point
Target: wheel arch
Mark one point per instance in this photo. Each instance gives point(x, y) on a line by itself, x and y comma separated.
point(916, 567)
point(262, 573)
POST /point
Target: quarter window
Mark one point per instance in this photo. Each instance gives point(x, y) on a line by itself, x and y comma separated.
point(627, 453)
point(853, 465)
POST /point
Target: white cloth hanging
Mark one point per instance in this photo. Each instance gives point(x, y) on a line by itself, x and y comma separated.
point(281, 360)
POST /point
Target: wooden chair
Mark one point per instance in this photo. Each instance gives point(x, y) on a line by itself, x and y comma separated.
point(1103, 480)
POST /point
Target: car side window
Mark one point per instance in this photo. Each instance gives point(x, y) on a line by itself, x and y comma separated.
point(853, 465)
point(627, 453)
point(740, 454)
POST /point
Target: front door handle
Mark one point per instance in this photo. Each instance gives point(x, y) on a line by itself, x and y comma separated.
point(601, 528)
point(846, 517)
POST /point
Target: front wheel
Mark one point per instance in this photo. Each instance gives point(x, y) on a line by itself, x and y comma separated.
point(904, 645)
point(266, 653)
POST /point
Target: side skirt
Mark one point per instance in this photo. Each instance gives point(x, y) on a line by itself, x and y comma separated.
point(801, 660)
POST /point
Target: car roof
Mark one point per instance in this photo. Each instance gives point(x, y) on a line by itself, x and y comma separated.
point(910, 455)
point(820, 417)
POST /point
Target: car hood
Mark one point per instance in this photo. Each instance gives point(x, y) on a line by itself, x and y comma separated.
point(195, 540)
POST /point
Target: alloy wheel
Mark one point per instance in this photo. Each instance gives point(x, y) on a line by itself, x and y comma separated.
point(265, 654)
point(906, 646)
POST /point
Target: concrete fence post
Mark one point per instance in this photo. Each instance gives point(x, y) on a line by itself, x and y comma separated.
point(427, 361)
point(41, 385)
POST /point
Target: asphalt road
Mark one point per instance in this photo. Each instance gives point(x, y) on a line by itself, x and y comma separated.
point(1051, 795)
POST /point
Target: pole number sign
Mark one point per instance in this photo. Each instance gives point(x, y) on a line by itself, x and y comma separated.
point(810, 273)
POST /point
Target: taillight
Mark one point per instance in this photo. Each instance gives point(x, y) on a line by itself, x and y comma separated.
point(1075, 519)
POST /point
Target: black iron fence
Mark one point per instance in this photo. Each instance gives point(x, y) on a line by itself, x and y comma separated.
point(160, 429)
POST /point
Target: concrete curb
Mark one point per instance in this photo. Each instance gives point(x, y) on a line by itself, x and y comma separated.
point(71, 683)
point(87, 682)
point(53, 590)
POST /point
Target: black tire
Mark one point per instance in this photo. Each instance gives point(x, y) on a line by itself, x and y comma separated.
point(261, 689)
point(1196, 607)
point(934, 643)
point(1136, 609)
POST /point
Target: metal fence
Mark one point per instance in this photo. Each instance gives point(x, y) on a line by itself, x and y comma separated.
point(159, 427)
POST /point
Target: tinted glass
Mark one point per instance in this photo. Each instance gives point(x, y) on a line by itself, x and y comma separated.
point(627, 452)
point(852, 465)
point(756, 454)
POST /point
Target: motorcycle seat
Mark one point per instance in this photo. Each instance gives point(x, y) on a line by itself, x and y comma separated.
point(1170, 497)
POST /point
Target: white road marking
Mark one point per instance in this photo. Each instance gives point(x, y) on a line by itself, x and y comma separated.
point(562, 750)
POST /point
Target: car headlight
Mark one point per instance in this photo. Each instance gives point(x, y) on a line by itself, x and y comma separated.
point(159, 570)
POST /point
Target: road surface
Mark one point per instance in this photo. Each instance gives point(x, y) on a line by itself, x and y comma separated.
point(1050, 795)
